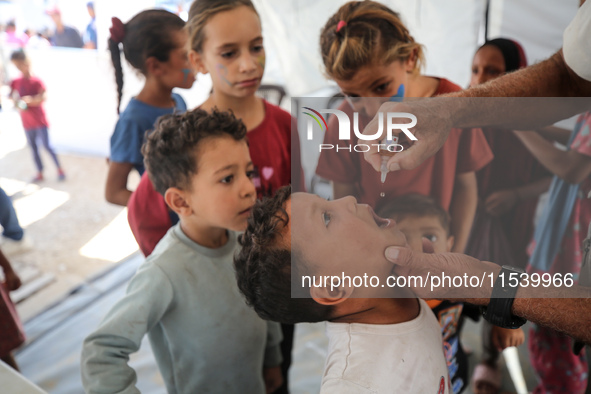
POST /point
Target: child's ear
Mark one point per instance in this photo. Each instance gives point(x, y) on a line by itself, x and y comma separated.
point(411, 62)
point(450, 243)
point(328, 297)
point(196, 60)
point(176, 200)
point(153, 66)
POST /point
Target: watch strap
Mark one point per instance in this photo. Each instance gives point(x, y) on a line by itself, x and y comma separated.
point(498, 311)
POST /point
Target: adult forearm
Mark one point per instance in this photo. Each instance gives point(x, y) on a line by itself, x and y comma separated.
point(565, 309)
point(550, 78)
point(571, 316)
point(544, 151)
point(534, 189)
point(570, 165)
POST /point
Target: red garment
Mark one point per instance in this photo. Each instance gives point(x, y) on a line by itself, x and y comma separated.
point(147, 214)
point(513, 166)
point(12, 332)
point(32, 117)
point(464, 151)
point(270, 145)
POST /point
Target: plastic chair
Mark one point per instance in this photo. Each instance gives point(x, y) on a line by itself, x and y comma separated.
point(272, 93)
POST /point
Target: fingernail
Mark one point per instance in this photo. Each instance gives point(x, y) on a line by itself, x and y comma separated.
point(394, 167)
point(392, 253)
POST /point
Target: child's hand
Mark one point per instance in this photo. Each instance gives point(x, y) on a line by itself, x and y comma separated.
point(273, 378)
point(504, 337)
point(500, 202)
point(12, 281)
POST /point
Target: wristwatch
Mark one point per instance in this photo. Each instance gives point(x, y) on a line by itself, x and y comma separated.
point(498, 311)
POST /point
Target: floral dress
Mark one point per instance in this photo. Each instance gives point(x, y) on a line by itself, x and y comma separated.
point(551, 355)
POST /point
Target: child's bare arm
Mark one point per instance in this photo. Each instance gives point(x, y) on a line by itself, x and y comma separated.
point(462, 209)
point(273, 378)
point(570, 165)
point(553, 133)
point(504, 337)
point(501, 201)
point(35, 100)
point(116, 191)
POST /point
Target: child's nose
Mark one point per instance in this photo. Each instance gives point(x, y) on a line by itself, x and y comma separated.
point(248, 188)
point(480, 78)
point(247, 63)
point(348, 202)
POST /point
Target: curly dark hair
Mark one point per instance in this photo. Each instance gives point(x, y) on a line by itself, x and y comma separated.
point(264, 271)
point(171, 150)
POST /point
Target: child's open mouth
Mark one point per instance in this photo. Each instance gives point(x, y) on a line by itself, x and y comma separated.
point(381, 222)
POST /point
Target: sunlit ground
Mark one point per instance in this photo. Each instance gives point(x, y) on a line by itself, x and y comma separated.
point(113, 243)
point(74, 231)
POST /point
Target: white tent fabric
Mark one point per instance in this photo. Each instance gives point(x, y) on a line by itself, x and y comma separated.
point(81, 88)
point(450, 32)
point(537, 25)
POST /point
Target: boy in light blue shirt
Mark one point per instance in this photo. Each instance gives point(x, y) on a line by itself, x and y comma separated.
point(204, 336)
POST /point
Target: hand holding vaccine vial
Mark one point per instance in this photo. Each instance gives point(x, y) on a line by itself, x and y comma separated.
point(389, 150)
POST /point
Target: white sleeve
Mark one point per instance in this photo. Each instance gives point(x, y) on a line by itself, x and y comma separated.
point(576, 46)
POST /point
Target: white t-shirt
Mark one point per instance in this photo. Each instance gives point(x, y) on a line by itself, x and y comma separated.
point(386, 358)
point(576, 46)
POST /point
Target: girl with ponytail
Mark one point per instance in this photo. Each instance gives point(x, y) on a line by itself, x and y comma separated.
point(369, 52)
point(153, 43)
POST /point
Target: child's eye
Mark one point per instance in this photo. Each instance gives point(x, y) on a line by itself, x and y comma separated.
point(352, 96)
point(493, 71)
point(227, 179)
point(352, 99)
point(431, 237)
point(326, 217)
point(251, 174)
point(382, 88)
point(228, 55)
point(257, 48)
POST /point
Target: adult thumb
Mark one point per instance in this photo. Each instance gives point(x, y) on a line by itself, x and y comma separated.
point(399, 255)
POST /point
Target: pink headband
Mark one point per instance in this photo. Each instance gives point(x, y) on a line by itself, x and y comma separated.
point(117, 30)
point(340, 25)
